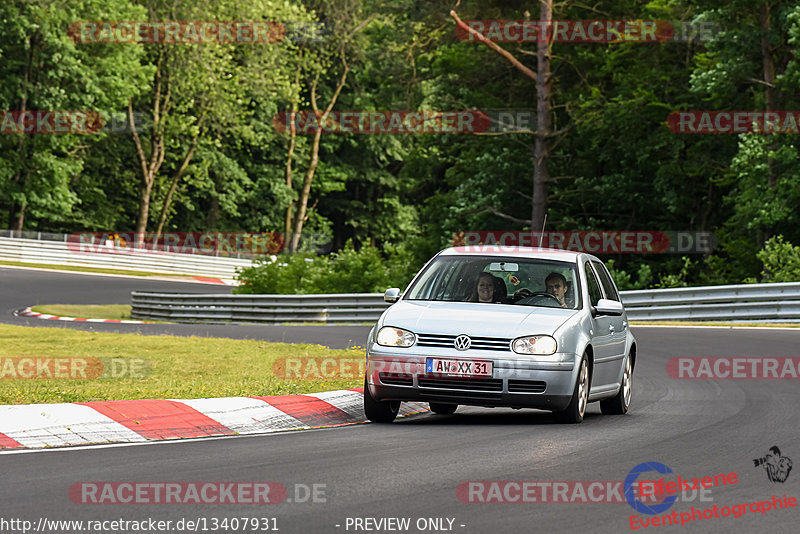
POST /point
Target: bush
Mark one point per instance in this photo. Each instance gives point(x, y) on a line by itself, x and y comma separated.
point(348, 271)
point(781, 261)
point(673, 279)
point(280, 275)
point(623, 278)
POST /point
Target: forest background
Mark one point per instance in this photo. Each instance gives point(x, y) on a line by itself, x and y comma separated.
point(194, 146)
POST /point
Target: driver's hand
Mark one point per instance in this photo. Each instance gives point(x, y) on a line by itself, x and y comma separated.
point(522, 293)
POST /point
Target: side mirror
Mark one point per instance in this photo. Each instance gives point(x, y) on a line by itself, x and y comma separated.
point(608, 307)
point(392, 295)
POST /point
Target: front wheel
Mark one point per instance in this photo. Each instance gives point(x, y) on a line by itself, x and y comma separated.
point(443, 409)
point(620, 403)
point(576, 409)
point(379, 411)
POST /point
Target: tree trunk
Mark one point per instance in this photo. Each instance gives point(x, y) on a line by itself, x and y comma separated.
point(306, 191)
point(176, 178)
point(300, 216)
point(151, 165)
point(16, 215)
point(144, 211)
point(769, 74)
point(213, 213)
point(769, 80)
point(302, 203)
point(541, 150)
point(20, 219)
point(287, 227)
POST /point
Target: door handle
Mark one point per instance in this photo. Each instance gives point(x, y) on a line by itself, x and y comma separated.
point(611, 328)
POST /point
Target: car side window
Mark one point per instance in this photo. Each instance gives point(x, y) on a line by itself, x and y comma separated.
point(595, 294)
point(605, 279)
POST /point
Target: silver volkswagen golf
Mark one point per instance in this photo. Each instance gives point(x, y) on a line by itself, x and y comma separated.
point(500, 326)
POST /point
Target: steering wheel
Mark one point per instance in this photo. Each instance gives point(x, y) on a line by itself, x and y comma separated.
point(539, 294)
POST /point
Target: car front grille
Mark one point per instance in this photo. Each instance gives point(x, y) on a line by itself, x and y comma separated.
point(526, 386)
point(441, 394)
point(467, 388)
point(460, 384)
point(480, 343)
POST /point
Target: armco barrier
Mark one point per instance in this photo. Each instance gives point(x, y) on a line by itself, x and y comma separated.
point(735, 302)
point(343, 308)
point(58, 253)
point(753, 302)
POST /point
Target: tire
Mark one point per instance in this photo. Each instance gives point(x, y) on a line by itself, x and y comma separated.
point(379, 411)
point(576, 408)
point(619, 404)
point(443, 409)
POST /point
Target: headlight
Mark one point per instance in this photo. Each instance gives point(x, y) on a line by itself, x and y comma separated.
point(389, 336)
point(534, 345)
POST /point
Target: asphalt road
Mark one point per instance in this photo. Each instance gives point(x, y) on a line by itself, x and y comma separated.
point(20, 288)
point(411, 468)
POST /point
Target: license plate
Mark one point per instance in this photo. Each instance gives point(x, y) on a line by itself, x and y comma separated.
point(466, 368)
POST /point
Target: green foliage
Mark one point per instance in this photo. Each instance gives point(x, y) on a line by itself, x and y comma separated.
point(287, 274)
point(781, 261)
point(398, 199)
point(43, 69)
point(348, 271)
point(644, 276)
point(676, 279)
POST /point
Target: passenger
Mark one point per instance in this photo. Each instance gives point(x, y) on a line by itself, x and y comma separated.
point(484, 291)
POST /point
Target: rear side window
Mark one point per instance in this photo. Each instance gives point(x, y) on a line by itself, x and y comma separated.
point(605, 279)
point(592, 286)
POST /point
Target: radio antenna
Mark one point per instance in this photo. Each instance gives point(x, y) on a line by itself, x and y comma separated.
point(541, 234)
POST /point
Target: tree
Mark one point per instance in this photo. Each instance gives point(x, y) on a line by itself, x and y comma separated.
point(542, 77)
point(200, 92)
point(343, 21)
point(43, 69)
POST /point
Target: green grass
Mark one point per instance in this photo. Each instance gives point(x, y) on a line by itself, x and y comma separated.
point(81, 269)
point(180, 367)
point(86, 311)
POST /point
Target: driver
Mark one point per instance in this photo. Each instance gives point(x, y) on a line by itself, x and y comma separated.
point(555, 284)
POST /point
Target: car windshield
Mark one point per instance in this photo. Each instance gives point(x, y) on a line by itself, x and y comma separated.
point(498, 280)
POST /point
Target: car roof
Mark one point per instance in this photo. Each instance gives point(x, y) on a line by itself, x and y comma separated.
point(515, 252)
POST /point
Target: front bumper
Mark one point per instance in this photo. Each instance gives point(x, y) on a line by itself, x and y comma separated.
point(545, 383)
